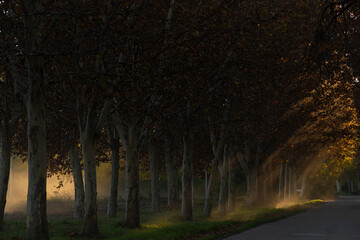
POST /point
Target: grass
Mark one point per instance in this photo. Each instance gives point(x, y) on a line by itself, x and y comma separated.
point(164, 225)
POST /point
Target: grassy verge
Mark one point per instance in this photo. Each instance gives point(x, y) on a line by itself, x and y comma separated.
point(164, 225)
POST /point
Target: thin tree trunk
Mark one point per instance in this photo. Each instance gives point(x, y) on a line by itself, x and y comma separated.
point(223, 181)
point(290, 181)
point(205, 174)
point(5, 156)
point(78, 182)
point(271, 177)
point(231, 195)
point(210, 183)
point(115, 158)
point(171, 176)
point(264, 188)
point(154, 169)
point(338, 186)
point(285, 179)
point(294, 182)
point(303, 183)
point(193, 191)
point(251, 188)
point(280, 181)
point(358, 181)
point(186, 204)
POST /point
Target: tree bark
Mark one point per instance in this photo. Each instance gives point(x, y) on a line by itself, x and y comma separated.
point(154, 169)
point(115, 158)
point(303, 184)
point(5, 156)
point(171, 176)
point(78, 182)
point(37, 225)
point(280, 181)
point(290, 182)
point(251, 188)
point(338, 186)
point(285, 179)
point(223, 170)
point(231, 195)
point(89, 127)
point(218, 149)
point(90, 225)
point(132, 211)
point(186, 204)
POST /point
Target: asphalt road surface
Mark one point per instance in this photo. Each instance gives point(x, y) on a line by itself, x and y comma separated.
point(338, 220)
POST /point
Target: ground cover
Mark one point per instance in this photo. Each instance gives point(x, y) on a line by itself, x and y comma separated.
point(164, 225)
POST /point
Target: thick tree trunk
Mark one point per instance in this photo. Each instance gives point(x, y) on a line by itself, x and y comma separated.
point(132, 211)
point(115, 158)
point(5, 156)
point(186, 201)
point(90, 225)
point(223, 180)
point(171, 176)
point(37, 225)
point(154, 169)
point(78, 182)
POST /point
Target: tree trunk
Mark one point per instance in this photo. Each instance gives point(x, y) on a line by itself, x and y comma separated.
point(251, 187)
point(290, 181)
point(303, 184)
point(231, 195)
point(358, 181)
point(271, 177)
point(78, 182)
point(115, 158)
point(132, 211)
point(186, 201)
point(280, 181)
point(285, 179)
point(210, 184)
point(171, 176)
point(154, 169)
point(193, 190)
point(5, 156)
point(294, 182)
point(338, 186)
point(37, 224)
point(90, 225)
point(264, 189)
point(223, 180)
point(206, 181)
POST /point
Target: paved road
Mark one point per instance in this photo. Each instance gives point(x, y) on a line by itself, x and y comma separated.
point(338, 220)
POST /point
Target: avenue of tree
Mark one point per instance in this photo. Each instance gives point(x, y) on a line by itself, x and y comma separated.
point(192, 86)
